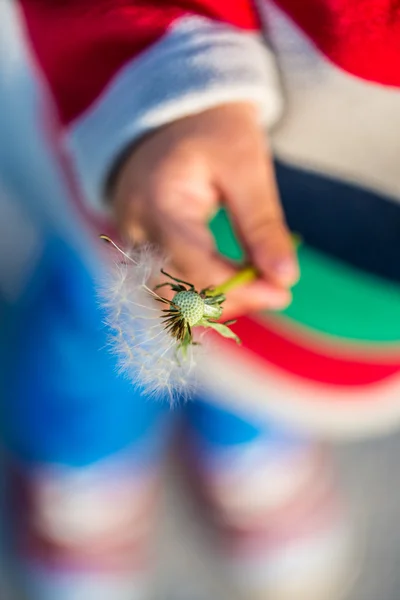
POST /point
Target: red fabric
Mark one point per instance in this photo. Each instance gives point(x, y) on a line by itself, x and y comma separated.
point(313, 362)
point(361, 37)
point(80, 44)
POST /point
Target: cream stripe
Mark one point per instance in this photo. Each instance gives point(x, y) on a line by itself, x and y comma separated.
point(240, 380)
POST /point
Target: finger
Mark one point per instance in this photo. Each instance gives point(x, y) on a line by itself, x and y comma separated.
point(255, 297)
point(190, 247)
point(177, 187)
point(196, 259)
point(252, 199)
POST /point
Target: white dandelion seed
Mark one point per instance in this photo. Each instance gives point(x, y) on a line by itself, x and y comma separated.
point(146, 352)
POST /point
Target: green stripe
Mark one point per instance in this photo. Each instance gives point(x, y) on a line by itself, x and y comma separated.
point(332, 298)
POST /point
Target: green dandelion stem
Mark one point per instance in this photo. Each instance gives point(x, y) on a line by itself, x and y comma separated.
point(245, 275)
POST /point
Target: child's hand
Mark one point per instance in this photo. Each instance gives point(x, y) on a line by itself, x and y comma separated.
point(172, 183)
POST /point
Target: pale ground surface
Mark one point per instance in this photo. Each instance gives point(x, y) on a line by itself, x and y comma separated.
point(188, 569)
point(371, 477)
point(370, 473)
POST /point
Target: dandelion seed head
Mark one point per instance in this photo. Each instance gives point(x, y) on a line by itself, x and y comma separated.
point(191, 306)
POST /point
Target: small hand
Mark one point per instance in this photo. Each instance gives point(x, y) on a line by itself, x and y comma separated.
point(173, 182)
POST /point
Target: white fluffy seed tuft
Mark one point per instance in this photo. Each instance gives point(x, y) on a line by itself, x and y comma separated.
point(147, 354)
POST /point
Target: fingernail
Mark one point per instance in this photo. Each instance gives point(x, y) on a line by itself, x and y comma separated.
point(274, 299)
point(287, 271)
point(279, 302)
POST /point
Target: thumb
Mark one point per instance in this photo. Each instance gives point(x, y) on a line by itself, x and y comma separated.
point(251, 197)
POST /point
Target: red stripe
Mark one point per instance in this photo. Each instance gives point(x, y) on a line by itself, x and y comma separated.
point(309, 363)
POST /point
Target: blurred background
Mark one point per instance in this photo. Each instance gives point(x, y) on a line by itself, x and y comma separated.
point(367, 472)
point(187, 569)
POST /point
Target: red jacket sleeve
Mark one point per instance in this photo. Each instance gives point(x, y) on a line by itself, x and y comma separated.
point(81, 44)
point(119, 69)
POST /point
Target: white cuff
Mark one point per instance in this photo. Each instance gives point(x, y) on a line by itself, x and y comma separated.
point(197, 65)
